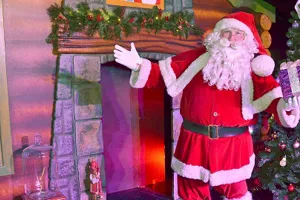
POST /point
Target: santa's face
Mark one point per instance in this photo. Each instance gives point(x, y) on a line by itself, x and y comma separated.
point(233, 35)
point(230, 56)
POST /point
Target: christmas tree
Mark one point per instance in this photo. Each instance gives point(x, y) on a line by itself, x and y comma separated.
point(278, 164)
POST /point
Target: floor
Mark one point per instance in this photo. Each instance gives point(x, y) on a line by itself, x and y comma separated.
point(163, 191)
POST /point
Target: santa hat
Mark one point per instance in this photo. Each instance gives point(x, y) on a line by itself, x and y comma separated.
point(262, 65)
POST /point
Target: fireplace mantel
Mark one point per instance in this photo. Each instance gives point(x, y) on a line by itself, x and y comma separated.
point(163, 42)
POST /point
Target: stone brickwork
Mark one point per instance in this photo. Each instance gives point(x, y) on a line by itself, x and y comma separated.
point(77, 124)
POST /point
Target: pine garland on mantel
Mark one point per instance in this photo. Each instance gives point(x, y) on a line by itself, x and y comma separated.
point(111, 25)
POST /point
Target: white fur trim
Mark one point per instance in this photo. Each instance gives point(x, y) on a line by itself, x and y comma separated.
point(233, 175)
point(176, 87)
point(217, 178)
point(247, 98)
point(167, 71)
point(233, 23)
point(247, 196)
point(263, 65)
point(263, 102)
point(190, 171)
point(289, 121)
point(139, 78)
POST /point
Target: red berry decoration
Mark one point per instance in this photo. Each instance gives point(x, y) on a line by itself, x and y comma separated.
point(282, 146)
point(131, 20)
point(99, 18)
point(291, 188)
point(160, 13)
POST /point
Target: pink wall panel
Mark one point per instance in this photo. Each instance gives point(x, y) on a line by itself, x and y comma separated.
point(30, 66)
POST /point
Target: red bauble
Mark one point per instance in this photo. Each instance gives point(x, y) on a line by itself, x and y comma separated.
point(291, 188)
point(282, 146)
point(90, 17)
point(268, 149)
point(257, 182)
point(167, 18)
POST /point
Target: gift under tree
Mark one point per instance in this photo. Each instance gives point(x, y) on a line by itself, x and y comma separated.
point(224, 85)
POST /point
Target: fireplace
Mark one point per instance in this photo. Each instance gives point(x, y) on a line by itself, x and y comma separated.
point(91, 110)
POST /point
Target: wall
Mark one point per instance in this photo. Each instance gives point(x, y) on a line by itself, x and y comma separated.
point(30, 66)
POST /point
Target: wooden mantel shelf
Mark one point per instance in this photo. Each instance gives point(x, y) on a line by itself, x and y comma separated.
point(163, 42)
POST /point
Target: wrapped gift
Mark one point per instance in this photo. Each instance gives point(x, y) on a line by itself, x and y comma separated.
point(289, 77)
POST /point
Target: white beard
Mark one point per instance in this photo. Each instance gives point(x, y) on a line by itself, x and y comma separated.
point(228, 66)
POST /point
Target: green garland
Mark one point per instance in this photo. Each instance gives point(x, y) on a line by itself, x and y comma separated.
point(112, 25)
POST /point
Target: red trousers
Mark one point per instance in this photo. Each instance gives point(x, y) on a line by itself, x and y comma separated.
point(192, 189)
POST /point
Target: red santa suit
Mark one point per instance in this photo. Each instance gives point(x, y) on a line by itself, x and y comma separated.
point(227, 162)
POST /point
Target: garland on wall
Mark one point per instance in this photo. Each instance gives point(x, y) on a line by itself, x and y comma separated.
point(113, 25)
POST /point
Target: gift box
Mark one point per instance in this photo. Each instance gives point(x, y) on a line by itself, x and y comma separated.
point(289, 77)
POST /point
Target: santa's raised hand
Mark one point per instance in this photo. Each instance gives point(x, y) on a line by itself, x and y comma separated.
point(289, 111)
point(130, 59)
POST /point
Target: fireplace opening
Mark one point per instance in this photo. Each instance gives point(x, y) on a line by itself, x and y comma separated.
point(136, 133)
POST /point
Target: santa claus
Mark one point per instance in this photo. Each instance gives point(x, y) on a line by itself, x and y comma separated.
point(224, 85)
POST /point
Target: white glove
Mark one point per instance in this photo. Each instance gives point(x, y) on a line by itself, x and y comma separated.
point(291, 105)
point(130, 59)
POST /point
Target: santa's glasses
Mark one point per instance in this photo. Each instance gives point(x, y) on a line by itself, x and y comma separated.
point(232, 34)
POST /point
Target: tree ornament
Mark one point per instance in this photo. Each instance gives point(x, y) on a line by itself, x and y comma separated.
point(296, 145)
point(268, 149)
point(90, 16)
point(167, 18)
point(274, 135)
point(291, 188)
point(289, 43)
point(283, 162)
point(282, 146)
point(180, 27)
point(257, 182)
point(150, 21)
point(290, 52)
point(295, 24)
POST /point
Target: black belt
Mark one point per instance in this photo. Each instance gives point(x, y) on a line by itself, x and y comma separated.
point(214, 131)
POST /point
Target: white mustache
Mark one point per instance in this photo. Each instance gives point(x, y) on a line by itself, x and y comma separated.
point(224, 42)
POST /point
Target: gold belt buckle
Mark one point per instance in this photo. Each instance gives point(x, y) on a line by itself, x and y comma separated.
point(217, 131)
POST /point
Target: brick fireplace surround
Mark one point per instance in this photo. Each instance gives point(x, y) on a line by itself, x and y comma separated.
point(78, 116)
